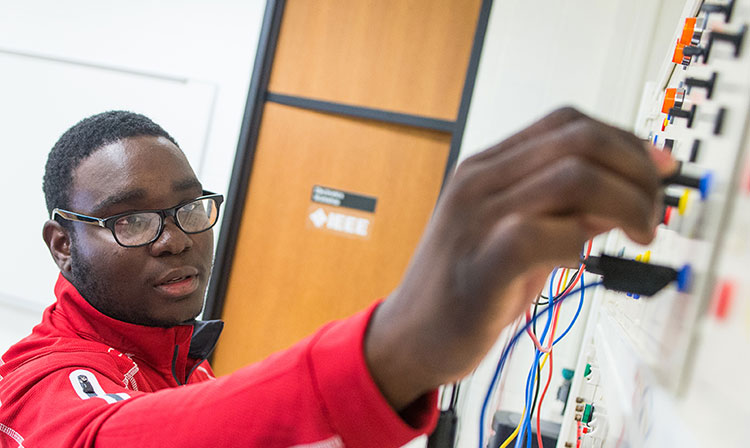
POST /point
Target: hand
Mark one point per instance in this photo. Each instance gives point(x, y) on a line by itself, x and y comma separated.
point(506, 218)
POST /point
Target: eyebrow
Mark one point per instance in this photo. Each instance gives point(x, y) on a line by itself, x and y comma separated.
point(140, 193)
point(119, 198)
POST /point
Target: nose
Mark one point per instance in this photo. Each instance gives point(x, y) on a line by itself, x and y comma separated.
point(171, 241)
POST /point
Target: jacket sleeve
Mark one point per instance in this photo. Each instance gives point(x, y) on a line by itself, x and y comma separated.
point(317, 394)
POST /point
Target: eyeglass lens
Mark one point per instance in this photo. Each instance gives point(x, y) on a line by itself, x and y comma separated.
point(141, 228)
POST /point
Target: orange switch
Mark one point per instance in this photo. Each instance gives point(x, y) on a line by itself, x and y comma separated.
point(687, 32)
point(678, 55)
point(669, 100)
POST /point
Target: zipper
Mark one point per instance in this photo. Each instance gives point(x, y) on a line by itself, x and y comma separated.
point(174, 366)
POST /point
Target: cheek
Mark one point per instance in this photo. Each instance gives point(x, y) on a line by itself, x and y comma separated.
point(204, 245)
point(108, 259)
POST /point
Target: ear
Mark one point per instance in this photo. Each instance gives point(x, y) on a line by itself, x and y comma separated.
point(58, 241)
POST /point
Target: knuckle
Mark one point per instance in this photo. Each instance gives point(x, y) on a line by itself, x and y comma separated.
point(521, 233)
point(472, 160)
point(566, 113)
point(588, 136)
point(577, 178)
point(462, 186)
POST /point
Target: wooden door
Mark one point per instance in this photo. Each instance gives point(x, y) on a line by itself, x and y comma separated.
point(360, 113)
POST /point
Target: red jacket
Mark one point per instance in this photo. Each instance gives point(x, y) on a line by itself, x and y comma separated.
point(82, 379)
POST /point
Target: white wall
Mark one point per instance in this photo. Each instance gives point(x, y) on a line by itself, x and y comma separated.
point(184, 63)
point(539, 55)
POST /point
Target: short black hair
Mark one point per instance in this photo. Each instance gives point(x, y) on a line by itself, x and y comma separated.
point(81, 140)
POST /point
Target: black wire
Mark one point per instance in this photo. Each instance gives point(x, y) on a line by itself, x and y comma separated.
point(538, 379)
point(572, 279)
point(454, 394)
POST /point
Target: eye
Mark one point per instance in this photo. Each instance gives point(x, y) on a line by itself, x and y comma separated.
point(134, 223)
point(189, 207)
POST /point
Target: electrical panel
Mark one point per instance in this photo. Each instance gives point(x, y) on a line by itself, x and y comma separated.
point(668, 370)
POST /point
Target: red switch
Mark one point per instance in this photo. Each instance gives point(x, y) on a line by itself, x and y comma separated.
point(667, 215)
point(723, 299)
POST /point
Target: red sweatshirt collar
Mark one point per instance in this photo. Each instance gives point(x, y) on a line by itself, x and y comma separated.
point(154, 345)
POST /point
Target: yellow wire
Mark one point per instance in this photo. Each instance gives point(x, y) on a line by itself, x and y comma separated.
point(513, 435)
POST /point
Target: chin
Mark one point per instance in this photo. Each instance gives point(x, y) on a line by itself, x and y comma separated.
point(193, 310)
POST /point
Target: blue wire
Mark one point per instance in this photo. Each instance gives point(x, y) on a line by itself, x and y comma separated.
point(530, 393)
point(527, 397)
point(506, 351)
point(530, 379)
point(539, 355)
point(578, 312)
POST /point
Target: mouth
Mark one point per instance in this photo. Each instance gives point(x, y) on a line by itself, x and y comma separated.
point(178, 283)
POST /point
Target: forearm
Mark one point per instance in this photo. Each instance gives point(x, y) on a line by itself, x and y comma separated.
point(316, 391)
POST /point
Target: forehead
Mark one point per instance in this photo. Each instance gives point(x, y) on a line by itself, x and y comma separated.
point(152, 167)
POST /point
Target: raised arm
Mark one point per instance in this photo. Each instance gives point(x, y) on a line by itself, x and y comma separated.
point(507, 217)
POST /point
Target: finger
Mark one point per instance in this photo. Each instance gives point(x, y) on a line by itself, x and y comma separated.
point(665, 163)
point(585, 139)
point(520, 245)
point(576, 187)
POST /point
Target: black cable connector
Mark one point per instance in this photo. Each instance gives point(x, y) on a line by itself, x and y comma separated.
point(701, 183)
point(636, 277)
point(444, 435)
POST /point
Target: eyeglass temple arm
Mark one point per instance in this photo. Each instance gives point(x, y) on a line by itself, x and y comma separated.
point(70, 216)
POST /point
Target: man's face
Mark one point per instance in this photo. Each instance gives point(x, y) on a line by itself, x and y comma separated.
point(162, 283)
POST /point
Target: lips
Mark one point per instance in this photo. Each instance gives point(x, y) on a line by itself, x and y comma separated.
point(178, 282)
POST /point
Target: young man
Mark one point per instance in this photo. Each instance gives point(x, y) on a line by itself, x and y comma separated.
point(129, 230)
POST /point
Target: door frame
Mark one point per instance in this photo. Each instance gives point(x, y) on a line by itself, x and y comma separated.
point(259, 95)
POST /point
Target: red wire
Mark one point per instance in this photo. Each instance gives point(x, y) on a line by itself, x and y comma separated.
point(572, 285)
point(549, 350)
point(551, 369)
point(539, 409)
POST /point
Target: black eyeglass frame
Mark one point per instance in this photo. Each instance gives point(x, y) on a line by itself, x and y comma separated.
point(109, 222)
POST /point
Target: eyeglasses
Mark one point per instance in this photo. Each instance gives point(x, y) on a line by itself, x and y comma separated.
point(142, 227)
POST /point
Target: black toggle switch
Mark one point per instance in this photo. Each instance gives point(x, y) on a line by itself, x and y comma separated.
point(694, 151)
point(734, 39)
point(691, 51)
point(707, 84)
point(689, 114)
point(668, 144)
point(636, 277)
point(721, 9)
point(719, 121)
